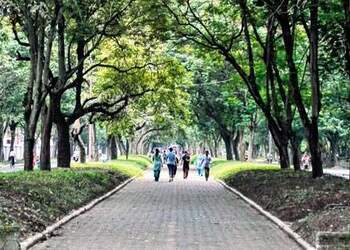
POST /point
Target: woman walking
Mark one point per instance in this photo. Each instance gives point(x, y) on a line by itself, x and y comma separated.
point(157, 164)
point(186, 164)
point(199, 165)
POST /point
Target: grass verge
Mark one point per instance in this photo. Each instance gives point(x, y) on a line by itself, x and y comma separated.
point(34, 200)
point(308, 205)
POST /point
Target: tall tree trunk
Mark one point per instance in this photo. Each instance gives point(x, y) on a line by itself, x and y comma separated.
point(2, 156)
point(46, 128)
point(63, 145)
point(313, 133)
point(228, 146)
point(346, 6)
point(113, 148)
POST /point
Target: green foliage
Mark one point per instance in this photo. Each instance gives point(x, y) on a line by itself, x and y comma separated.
point(142, 68)
point(13, 75)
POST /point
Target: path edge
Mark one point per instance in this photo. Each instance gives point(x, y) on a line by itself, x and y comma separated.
point(296, 237)
point(31, 241)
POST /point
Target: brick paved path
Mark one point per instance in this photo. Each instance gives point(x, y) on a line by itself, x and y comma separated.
point(185, 214)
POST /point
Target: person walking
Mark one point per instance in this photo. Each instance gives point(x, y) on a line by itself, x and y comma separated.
point(186, 163)
point(171, 162)
point(157, 164)
point(206, 161)
point(12, 158)
point(199, 165)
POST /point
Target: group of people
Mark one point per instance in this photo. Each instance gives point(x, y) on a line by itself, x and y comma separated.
point(172, 160)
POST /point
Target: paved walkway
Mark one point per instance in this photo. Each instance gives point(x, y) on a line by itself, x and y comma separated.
point(185, 214)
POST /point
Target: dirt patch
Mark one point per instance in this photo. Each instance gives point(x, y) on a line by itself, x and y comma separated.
point(309, 205)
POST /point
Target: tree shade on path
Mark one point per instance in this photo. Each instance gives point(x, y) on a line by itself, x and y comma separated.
point(185, 214)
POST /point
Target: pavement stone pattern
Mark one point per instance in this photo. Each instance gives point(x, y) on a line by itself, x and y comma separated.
point(184, 214)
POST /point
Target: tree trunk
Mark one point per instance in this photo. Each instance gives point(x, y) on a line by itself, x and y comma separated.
point(241, 146)
point(93, 150)
point(346, 6)
point(28, 154)
point(113, 148)
point(13, 126)
point(313, 134)
point(2, 157)
point(281, 142)
point(121, 145)
point(315, 152)
point(82, 149)
point(284, 157)
point(235, 145)
point(251, 143)
point(45, 151)
point(333, 140)
point(228, 146)
point(127, 149)
point(295, 152)
point(216, 145)
point(63, 145)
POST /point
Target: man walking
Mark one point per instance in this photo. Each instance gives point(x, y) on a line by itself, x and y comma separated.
point(171, 162)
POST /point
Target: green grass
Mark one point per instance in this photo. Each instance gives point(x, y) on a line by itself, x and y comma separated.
point(34, 200)
point(134, 166)
point(224, 170)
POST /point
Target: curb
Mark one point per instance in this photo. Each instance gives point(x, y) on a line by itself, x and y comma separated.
point(305, 245)
point(31, 241)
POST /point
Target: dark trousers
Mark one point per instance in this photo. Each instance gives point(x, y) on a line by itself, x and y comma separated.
point(12, 160)
point(185, 169)
point(206, 173)
point(156, 175)
point(172, 170)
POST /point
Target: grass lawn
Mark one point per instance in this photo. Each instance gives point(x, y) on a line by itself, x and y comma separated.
point(308, 205)
point(34, 200)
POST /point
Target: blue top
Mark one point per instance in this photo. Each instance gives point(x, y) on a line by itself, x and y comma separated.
point(206, 160)
point(171, 158)
point(199, 162)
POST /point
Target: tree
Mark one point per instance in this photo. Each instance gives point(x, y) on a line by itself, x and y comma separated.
point(213, 26)
point(12, 84)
